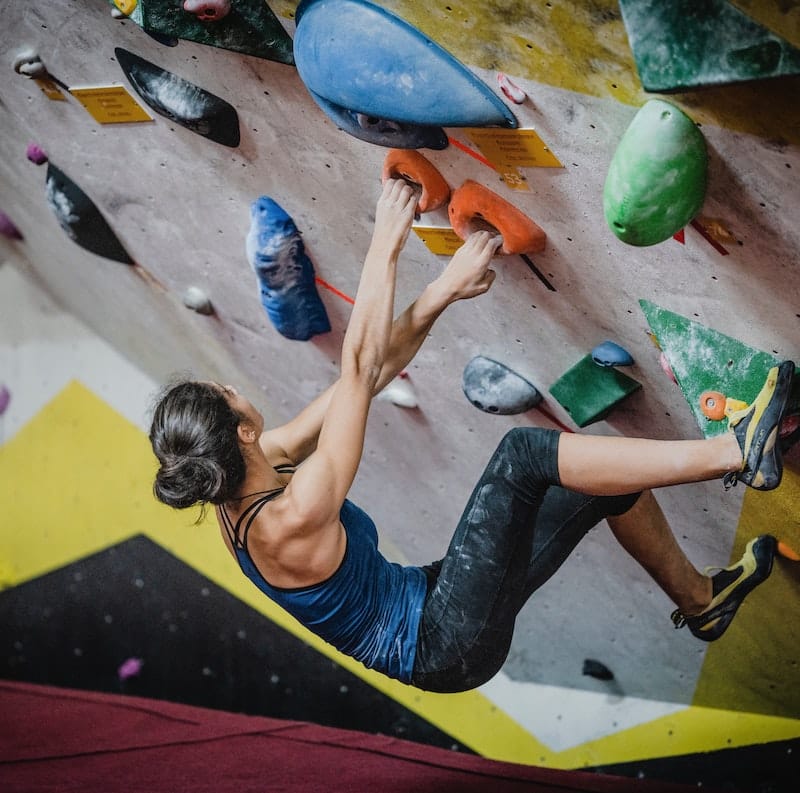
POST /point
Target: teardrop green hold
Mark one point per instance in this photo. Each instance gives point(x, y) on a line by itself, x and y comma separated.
point(656, 182)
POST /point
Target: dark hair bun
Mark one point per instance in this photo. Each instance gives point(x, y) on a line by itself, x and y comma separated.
point(189, 480)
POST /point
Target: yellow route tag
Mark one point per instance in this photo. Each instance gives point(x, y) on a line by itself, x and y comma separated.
point(441, 240)
point(50, 89)
point(508, 149)
point(111, 104)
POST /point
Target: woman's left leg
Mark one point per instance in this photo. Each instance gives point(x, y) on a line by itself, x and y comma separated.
point(516, 519)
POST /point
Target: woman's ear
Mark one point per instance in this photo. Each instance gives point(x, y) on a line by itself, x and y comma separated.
point(247, 432)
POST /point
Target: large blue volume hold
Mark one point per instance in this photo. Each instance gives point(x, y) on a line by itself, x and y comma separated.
point(277, 255)
point(363, 58)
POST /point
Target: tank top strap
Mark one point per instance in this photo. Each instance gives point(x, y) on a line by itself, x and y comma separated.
point(235, 534)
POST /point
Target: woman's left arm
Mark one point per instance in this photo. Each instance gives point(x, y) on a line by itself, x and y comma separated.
point(466, 276)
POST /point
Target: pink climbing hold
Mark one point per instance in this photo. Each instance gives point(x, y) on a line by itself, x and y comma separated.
point(35, 153)
point(511, 89)
point(8, 227)
point(208, 10)
point(5, 398)
point(130, 668)
point(662, 359)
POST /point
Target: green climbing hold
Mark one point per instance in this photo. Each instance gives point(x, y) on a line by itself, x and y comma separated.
point(656, 182)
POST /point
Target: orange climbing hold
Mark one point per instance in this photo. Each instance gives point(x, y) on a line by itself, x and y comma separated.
point(787, 552)
point(473, 202)
point(414, 167)
point(712, 405)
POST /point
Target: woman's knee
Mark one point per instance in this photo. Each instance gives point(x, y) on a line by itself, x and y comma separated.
point(531, 453)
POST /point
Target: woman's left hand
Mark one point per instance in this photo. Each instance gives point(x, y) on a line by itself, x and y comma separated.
point(468, 273)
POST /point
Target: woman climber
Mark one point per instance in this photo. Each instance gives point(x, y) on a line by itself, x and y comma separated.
point(281, 494)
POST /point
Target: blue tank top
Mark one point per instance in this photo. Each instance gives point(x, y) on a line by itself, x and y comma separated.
point(369, 608)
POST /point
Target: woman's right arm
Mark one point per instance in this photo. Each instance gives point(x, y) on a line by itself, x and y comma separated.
point(466, 276)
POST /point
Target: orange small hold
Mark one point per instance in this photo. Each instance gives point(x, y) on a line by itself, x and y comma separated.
point(712, 405)
point(414, 167)
point(473, 202)
point(787, 552)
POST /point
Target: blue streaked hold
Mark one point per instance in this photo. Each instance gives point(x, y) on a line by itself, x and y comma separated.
point(609, 353)
point(494, 388)
point(277, 255)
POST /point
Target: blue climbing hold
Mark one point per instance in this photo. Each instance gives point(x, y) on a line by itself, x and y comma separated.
point(383, 131)
point(362, 57)
point(609, 353)
point(494, 388)
point(276, 253)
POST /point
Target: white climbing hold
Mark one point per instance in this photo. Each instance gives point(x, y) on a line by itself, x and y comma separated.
point(197, 300)
point(29, 64)
point(400, 392)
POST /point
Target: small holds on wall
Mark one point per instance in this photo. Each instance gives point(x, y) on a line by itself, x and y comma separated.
point(8, 228)
point(80, 218)
point(510, 89)
point(664, 363)
point(208, 10)
point(420, 171)
point(473, 207)
point(181, 101)
point(130, 668)
point(285, 274)
point(494, 388)
point(5, 399)
point(29, 64)
point(125, 7)
point(596, 669)
point(36, 154)
point(656, 182)
point(400, 392)
point(609, 353)
point(197, 300)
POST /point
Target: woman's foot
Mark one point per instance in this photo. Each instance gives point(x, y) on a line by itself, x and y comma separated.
point(730, 586)
point(756, 430)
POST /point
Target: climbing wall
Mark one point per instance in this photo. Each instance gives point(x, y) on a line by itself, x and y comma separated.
point(178, 201)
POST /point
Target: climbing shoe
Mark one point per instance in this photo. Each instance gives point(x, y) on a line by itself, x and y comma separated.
point(730, 586)
point(756, 429)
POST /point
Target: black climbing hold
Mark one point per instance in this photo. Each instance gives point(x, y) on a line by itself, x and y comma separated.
point(181, 101)
point(596, 669)
point(78, 215)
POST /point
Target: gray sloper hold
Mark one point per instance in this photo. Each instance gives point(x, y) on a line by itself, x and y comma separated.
point(494, 388)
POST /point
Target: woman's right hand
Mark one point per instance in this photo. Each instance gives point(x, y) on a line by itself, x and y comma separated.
point(468, 273)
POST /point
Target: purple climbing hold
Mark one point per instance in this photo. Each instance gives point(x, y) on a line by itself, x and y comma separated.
point(8, 228)
point(285, 274)
point(36, 154)
point(130, 668)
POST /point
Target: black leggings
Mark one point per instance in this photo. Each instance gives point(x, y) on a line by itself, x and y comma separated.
point(518, 528)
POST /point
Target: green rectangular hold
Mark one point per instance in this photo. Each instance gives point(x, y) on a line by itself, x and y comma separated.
point(589, 392)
